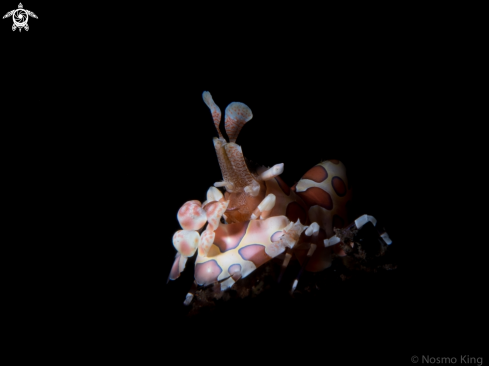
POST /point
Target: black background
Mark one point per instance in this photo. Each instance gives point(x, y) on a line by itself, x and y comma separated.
point(105, 136)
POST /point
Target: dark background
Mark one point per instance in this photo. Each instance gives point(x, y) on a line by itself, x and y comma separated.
point(105, 136)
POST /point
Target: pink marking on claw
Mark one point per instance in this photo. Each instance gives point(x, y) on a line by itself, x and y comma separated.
point(214, 211)
point(191, 216)
point(206, 240)
point(175, 270)
point(186, 242)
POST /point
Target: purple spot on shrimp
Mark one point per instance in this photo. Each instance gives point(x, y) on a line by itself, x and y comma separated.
point(234, 268)
point(207, 273)
point(317, 196)
point(276, 236)
point(254, 253)
point(229, 236)
point(339, 186)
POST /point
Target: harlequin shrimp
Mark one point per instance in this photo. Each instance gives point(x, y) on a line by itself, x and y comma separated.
point(259, 217)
